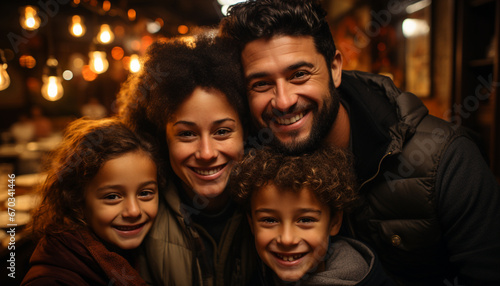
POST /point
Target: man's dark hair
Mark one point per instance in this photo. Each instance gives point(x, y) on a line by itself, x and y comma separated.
point(327, 172)
point(255, 19)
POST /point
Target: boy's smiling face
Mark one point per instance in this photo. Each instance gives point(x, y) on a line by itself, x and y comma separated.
point(291, 230)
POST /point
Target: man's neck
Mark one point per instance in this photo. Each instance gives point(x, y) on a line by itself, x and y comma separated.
point(340, 132)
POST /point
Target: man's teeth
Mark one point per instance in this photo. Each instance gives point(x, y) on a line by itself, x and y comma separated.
point(208, 172)
point(288, 121)
point(289, 258)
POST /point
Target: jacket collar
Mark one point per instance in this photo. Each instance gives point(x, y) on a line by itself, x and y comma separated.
point(382, 118)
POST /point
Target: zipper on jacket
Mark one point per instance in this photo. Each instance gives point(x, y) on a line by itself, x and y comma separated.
point(349, 223)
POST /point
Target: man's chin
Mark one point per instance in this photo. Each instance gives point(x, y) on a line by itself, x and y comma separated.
point(293, 146)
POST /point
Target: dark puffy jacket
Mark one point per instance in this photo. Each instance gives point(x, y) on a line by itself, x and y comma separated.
point(398, 148)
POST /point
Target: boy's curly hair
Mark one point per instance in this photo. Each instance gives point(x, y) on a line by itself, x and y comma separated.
point(328, 172)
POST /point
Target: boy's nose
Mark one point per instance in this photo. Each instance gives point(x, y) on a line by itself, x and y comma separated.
point(287, 237)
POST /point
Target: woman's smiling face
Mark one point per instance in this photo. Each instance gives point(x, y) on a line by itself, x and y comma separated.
point(204, 138)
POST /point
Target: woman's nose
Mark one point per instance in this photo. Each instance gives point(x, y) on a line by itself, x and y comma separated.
point(206, 150)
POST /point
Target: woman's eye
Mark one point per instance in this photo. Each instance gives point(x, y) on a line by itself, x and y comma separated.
point(185, 134)
point(222, 132)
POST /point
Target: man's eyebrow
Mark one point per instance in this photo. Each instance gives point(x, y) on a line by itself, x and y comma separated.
point(292, 67)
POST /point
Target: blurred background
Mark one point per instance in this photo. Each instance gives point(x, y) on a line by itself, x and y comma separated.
point(63, 59)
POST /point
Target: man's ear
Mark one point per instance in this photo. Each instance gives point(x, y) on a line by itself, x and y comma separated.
point(249, 218)
point(336, 223)
point(337, 68)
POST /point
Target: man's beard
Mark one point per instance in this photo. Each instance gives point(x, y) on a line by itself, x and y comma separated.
point(322, 124)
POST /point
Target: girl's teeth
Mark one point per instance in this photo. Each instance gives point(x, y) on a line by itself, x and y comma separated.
point(290, 258)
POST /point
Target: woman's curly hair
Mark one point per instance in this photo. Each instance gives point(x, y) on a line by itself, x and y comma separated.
point(86, 146)
point(171, 71)
point(328, 172)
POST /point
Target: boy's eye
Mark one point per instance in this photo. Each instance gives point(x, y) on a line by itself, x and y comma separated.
point(307, 220)
point(111, 197)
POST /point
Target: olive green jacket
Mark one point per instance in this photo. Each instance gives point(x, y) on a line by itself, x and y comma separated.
point(172, 249)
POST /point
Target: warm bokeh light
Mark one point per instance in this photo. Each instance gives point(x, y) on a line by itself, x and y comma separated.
point(88, 74)
point(182, 29)
point(135, 65)
point(98, 62)
point(67, 75)
point(77, 28)
point(131, 14)
point(135, 45)
point(146, 41)
point(52, 89)
point(27, 61)
point(119, 31)
point(105, 35)
point(160, 21)
point(106, 5)
point(4, 77)
point(126, 62)
point(117, 53)
point(29, 18)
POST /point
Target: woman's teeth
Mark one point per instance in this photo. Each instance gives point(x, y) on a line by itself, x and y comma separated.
point(288, 121)
point(208, 172)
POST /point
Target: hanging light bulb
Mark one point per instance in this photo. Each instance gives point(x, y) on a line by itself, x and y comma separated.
point(105, 35)
point(98, 62)
point(135, 65)
point(77, 28)
point(4, 76)
point(52, 89)
point(29, 18)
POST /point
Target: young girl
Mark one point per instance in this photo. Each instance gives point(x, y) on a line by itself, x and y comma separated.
point(98, 203)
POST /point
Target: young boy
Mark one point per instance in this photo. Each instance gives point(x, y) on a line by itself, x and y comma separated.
point(295, 206)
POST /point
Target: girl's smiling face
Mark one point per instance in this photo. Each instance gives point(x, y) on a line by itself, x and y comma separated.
point(204, 138)
point(121, 201)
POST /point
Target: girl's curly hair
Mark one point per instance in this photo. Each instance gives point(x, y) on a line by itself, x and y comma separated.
point(328, 172)
point(86, 146)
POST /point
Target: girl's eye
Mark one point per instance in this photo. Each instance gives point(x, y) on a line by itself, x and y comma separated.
point(147, 194)
point(268, 220)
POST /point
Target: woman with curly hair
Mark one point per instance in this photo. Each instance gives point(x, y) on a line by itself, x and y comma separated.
point(190, 97)
point(295, 206)
point(98, 203)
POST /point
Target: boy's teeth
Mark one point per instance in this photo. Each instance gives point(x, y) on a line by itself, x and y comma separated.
point(289, 258)
point(288, 121)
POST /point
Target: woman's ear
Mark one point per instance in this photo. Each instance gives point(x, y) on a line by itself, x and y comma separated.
point(337, 69)
point(336, 223)
point(249, 218)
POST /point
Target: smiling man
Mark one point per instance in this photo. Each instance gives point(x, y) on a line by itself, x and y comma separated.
point(430, 203)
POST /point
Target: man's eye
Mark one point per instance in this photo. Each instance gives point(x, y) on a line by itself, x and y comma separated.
point(260, 86)
point(300, 76)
